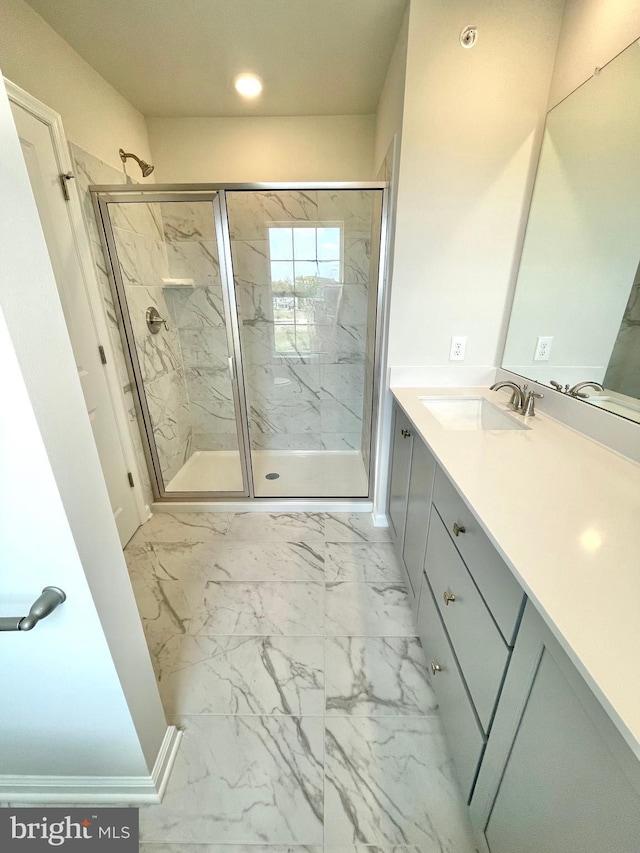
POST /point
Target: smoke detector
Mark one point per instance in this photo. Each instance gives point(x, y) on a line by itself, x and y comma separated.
point(468, 36)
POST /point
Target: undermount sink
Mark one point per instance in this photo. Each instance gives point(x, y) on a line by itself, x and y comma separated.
point(469, 413)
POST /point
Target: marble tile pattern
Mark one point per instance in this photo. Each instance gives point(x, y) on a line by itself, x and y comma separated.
point(139, 233)
point(303, 730)
point(197, 310)
point(327, 411)
point(90, 170)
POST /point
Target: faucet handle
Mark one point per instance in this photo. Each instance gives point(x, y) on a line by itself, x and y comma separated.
point(528, 407)
point(555, 385)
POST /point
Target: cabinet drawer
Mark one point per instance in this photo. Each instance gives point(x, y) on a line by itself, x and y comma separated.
point(464, 735)
point(480, 648)
point(501, 591)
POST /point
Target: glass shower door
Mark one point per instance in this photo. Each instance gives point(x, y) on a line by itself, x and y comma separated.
point(177, 314)
point(305, 265)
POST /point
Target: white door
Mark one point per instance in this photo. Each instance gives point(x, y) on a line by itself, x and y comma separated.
point(44, 174)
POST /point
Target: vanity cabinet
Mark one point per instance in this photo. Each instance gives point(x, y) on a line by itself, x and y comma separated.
point(557, 775)
point(421, 476)
point(540, 763)
point(402, 445)
point(411, 483)
point(464, 733)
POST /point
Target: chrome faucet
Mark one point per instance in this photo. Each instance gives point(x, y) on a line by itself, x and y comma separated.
point(517, 395)
point(522, 400)
point(576, 391)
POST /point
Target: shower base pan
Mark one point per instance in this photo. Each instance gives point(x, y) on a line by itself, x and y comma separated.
point(300, 473)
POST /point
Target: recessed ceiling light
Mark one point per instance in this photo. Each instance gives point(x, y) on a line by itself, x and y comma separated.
point(248, 85)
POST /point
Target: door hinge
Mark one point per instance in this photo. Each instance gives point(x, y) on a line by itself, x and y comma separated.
point(103, 357)
point(130, 479)
point(64, 178)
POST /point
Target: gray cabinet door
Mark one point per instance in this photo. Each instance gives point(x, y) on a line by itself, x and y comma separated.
point(423, 469)
point(557, 776)
point(481, 651)
point(464, 735)
point(399, 480)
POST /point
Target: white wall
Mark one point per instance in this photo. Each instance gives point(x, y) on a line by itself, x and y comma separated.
point(593, 32)
point(85, 681)
point(95, 116)
point(471, 130)
point(391, 103)
point(295, 148)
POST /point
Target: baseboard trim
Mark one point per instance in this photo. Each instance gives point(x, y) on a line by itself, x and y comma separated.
point(107, 790)
point(166, 759)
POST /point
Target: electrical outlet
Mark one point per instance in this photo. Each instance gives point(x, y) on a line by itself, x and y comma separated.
point(543, 349)
point(458, 346)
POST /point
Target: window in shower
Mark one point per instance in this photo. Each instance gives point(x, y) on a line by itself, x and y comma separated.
point(306, 276)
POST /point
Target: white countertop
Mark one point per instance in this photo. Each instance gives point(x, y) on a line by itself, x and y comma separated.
point(564, 512)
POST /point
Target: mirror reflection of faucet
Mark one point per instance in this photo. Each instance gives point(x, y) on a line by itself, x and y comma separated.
point(577, 389)
point(522, 400)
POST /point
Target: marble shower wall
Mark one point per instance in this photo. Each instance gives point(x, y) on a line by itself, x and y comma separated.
point(139, 235)
point(90, 170)
point(312, 399)
point(196, 308)
point(142, 256)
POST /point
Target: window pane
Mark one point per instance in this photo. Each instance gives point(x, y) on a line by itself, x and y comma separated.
point(304, 243)
point(283, 309)
point(303, 339)
point(329, 269)
point(281, 275)
point(328, 244)
point(285, 338)
point(280, 246)
point(306, 269)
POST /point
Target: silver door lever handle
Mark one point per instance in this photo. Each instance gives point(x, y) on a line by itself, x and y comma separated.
point(50, 598)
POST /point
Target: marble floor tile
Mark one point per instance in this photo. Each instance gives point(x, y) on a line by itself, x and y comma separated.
point(362, 561)
point(247, 780)
point(368, 609)
point(242, 675)
point(388, 782)
point(354, 527)
point(183, 527)
point(270, 561)
point(173, 561)
point(377, 676)
point(277, 527)
point(279, 607)
point(164, 610)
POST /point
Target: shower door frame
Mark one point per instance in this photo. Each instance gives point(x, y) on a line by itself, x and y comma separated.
point(103, 194)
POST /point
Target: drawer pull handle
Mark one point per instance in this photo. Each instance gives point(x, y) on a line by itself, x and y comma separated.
point(448, 597)
point(435, 667)
point(458, 529)
point(405, 433)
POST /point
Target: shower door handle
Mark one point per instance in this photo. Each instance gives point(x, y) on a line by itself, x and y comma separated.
point(232, 368)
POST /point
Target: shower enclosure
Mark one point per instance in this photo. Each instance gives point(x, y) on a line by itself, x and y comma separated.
point(249, 319)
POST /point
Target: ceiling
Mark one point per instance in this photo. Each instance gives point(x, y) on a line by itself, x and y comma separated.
point(179, 57)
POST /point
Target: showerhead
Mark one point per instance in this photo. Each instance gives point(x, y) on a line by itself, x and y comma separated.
point(145, 168)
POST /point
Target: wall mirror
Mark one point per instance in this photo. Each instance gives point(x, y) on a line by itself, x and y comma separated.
point(576, 310)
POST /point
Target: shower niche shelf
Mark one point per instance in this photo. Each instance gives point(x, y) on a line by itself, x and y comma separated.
point(178, 282)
